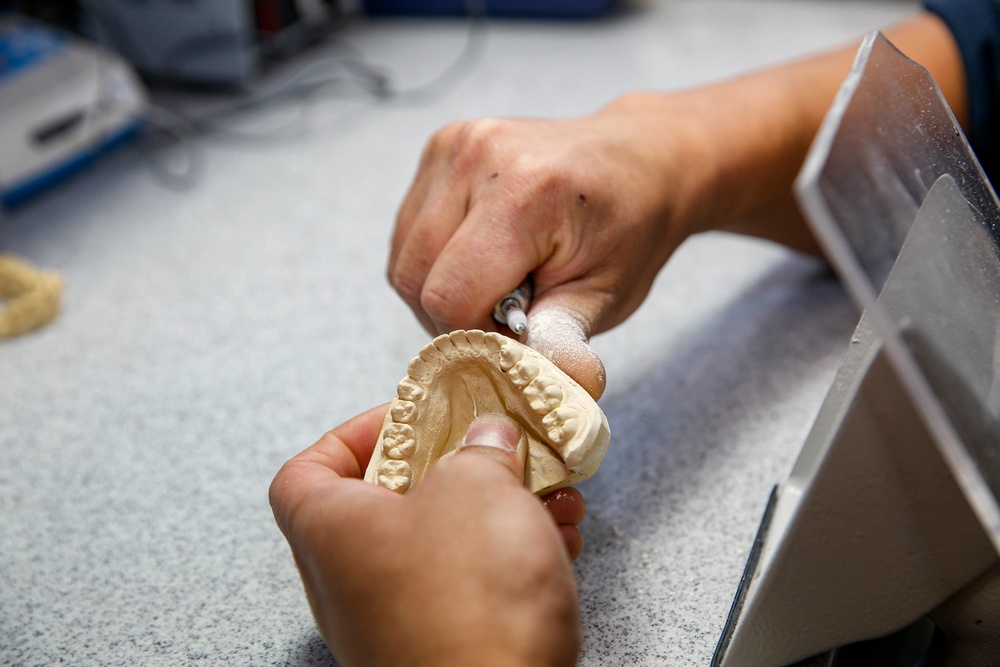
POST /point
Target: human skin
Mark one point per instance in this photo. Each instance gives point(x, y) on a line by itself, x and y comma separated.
point(592, 207)
point(469, 568)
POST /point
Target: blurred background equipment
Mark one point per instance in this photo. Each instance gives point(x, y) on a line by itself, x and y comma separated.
point(68, 91)
point(29, 298)
point(220, 42)
point(63, 101)
point(508, 8)
point(216, 42)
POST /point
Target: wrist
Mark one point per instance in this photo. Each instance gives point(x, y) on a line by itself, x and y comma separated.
point(678, 164)
point(762, 127)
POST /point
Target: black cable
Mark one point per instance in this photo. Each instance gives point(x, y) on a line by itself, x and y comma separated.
point(364, 81)
point(184, 136)
point(460, 68)
point(355, 78)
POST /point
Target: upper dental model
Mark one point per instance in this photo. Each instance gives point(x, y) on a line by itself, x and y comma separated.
point(465, 374)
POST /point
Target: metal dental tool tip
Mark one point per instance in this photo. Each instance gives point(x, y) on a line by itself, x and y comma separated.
point(510, 310)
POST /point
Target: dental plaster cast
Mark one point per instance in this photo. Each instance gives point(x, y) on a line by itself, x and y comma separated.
point(31, 296)
point(465, 374)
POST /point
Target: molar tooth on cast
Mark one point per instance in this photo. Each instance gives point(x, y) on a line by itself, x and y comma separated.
point(523, 372)
point(399, 441)
point(543, 394)
point(408, 390)
point(562, 424)
point(394, 475)
point(404, 412)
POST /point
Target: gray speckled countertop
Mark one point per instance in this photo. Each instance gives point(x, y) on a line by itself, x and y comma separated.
point(207, 335)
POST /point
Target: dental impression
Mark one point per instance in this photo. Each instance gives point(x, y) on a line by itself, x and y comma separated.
point(465, 374)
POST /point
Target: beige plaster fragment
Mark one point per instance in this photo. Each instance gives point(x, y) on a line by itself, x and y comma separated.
point(465, 374)
point(29, 298)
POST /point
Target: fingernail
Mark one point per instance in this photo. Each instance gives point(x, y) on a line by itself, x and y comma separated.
point(496, 431)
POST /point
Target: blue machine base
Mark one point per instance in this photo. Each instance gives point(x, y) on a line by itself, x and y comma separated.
point(27, 189)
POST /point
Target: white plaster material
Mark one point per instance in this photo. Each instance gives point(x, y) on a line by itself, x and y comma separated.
point(466, 374)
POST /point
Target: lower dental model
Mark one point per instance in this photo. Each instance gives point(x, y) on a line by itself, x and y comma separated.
point(465, 374)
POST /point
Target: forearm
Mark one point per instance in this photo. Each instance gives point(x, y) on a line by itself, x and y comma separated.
point(747, 138)
point(592, 207)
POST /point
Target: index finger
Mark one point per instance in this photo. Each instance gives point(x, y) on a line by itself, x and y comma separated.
point(489, 255)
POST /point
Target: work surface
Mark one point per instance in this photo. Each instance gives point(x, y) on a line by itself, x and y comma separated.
point(208, 334)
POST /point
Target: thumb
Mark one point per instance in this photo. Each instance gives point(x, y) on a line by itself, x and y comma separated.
point(561, 334)
point(500, 438)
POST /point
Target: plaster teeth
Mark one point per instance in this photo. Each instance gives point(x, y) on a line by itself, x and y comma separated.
point(509, 355)
point(445, 346)
point(462, 344)
point(477, 340)
point(408, 390)
point(523, 372)
point(468, 373)
point(394, 475)
point(562, 424)
point(543, 394)
point(429, 353)
point(399, 441)
point(404, 412)
point(494, 341)
point(420, 370)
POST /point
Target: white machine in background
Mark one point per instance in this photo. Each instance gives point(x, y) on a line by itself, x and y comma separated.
point(63, 101)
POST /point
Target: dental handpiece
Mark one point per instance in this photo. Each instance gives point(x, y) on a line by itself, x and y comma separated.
point(511, 310)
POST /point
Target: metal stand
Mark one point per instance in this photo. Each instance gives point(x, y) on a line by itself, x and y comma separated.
point(890, 513)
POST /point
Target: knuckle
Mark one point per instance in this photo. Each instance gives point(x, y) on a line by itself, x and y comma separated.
point(406, 285)
point(535, 193)
point(474, 140)
point(444, 304)
point(436, 304)
point(441, 141)
point(283, 491)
